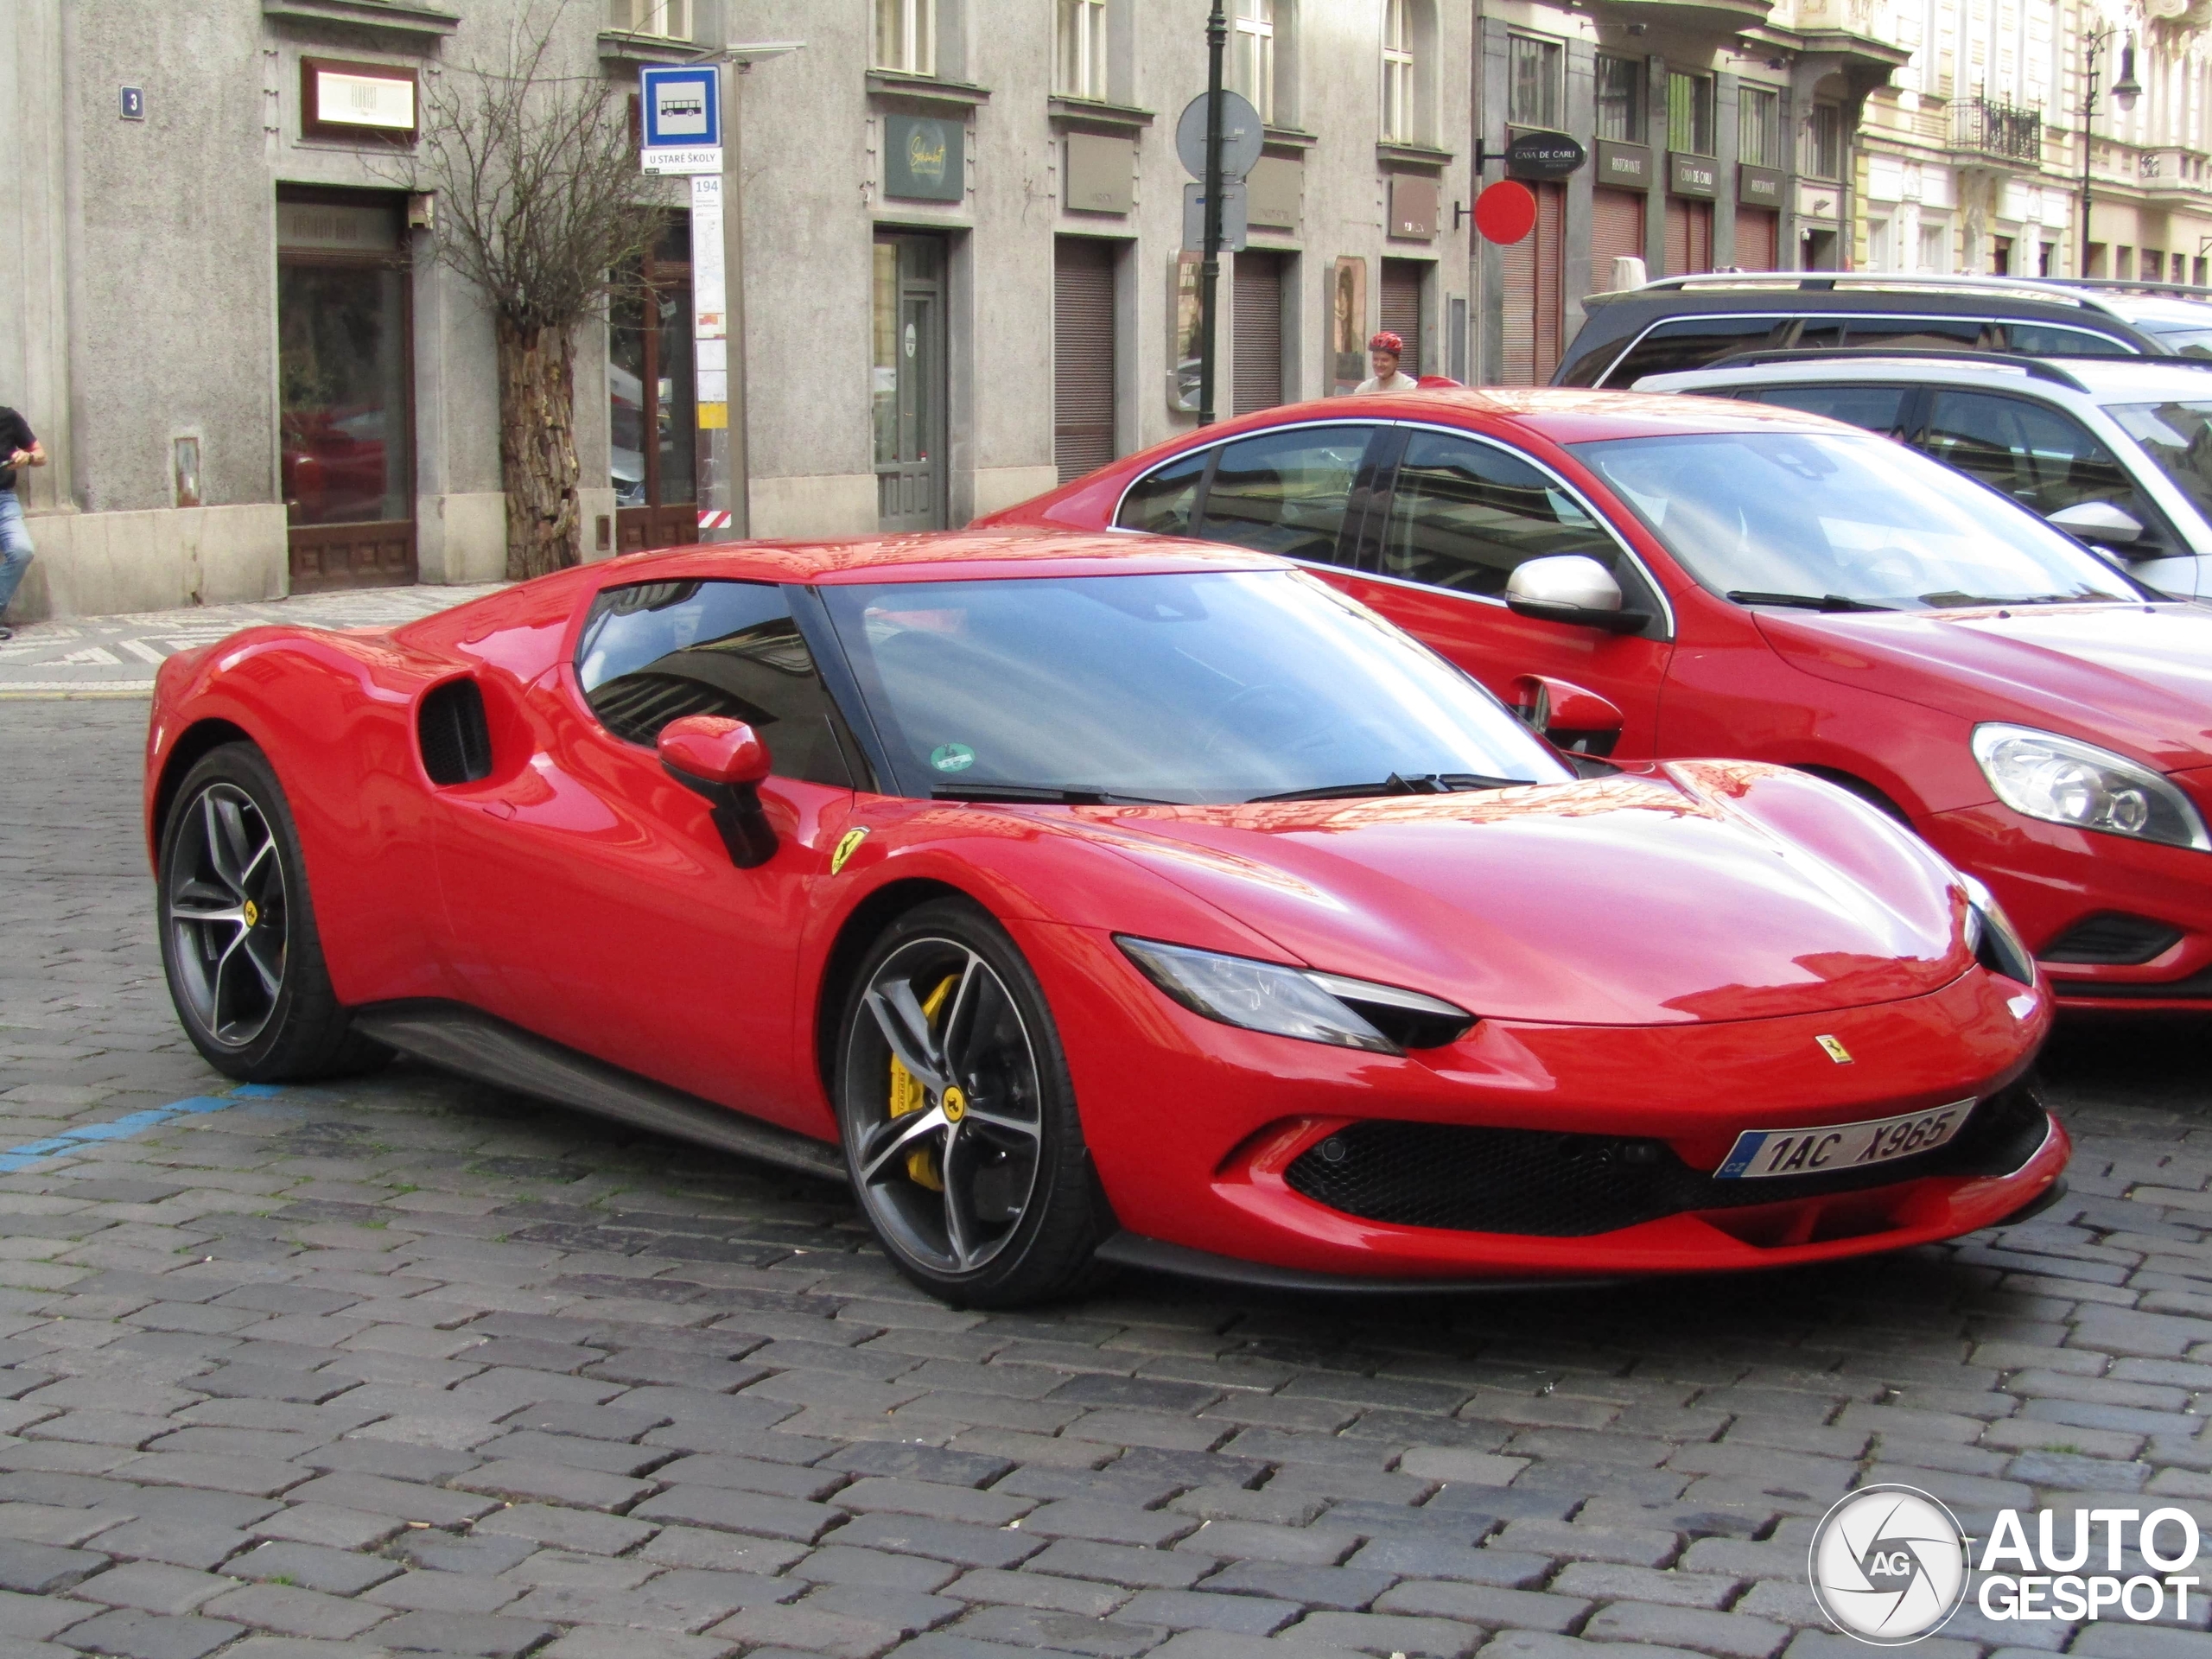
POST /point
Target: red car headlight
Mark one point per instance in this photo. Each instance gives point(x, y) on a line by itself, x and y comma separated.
point(1300, 1002)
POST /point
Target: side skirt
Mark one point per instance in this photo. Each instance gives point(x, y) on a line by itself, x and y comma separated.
point(459, 1039)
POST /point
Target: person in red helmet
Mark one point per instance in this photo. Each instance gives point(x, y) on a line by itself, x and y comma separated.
point(1382, 354)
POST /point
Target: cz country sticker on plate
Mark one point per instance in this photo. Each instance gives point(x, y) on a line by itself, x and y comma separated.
point(1834, 1148)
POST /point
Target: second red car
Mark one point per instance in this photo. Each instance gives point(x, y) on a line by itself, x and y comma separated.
point(1655, 576)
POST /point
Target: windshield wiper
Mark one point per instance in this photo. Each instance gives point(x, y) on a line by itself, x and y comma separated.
point(1955, 600)
point(1071, 796)
point(1421, 783)
point(1805, 601)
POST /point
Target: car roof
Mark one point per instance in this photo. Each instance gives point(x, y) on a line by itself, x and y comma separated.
point(1793, 290)
point(945, 556)
point(2102, 379)
point(1562, 414)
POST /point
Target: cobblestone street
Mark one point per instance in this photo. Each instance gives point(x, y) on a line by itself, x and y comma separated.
point(410, 1364)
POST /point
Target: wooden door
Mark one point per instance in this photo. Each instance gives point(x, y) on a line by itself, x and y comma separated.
point(651, 384)
point(1083, 355)
point(910, 387)
point(345, 354)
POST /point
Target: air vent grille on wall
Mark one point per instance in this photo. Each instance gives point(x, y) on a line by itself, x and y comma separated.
point(457, 741)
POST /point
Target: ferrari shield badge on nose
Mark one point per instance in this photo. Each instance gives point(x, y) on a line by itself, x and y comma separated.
point(1835, 1050)
point(848, 844)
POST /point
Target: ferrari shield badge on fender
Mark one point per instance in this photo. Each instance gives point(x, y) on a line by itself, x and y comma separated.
point(1835, 1050)
point(848, 844)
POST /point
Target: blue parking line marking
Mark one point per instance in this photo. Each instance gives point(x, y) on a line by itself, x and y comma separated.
point(121, 1128)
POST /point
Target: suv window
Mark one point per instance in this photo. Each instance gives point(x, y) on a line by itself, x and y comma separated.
point(1286, 491)
point(1690, 343)
point(658, 650)
point(1463, 514)
point(2042, 459)
point(1877, 408)
point(2056, 340)
point(1921, 334)
point(1162, 501)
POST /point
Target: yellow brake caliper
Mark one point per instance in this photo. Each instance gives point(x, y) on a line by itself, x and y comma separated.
point(907, 1095)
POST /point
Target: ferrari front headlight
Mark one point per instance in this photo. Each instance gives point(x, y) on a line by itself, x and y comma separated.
point(1286, 1002)
point(2064, 780)
point(1991, 936)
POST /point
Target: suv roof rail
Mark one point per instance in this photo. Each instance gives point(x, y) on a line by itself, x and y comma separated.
point(2037, 368)
point(2124, 285)
point(1825, 281)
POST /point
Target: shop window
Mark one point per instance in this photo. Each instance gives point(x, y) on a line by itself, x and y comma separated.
point(1620, 99)
point(1080, 68)
point(1758, 127)
point(1533, 84)
point(1251, 68)
point(1690, 114)
point(905, 37)
point(1935, 246)
point(669, 19)
point(1821, 156)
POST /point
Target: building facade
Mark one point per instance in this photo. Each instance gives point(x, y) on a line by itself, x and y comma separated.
point(964, 268)
point(1972, 160)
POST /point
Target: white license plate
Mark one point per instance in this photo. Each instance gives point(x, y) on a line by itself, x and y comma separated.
point(1834, 1148)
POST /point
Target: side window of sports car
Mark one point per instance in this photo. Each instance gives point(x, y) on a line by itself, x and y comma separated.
point(1163, 500)
point(658, 650)
point(1286, 491)
point(1463, 514)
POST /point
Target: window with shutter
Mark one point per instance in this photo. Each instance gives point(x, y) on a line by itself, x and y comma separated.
point(1402, 315)
point(1616, 233)
point(1258, 332)
point(1083, 355)
point(1535, 292)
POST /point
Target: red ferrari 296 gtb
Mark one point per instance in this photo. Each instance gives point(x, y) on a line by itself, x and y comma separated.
point(1086, 899)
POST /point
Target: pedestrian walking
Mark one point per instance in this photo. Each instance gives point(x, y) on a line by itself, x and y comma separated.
point(23, 448)
point(1383, 352)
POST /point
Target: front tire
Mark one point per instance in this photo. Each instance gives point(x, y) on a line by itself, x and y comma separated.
point(239, 940)
point(958, 1118)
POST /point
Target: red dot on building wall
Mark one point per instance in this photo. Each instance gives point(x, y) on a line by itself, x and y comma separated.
point(1505, 212)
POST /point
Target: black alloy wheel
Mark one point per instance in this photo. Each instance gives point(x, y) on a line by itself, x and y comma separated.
point(959, 1123)
point(239, 940)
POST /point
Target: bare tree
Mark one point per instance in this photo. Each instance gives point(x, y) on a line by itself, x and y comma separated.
point(539, 204)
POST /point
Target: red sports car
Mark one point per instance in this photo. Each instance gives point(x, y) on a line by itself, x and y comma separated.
point(1703, 576)
point(1080, 898)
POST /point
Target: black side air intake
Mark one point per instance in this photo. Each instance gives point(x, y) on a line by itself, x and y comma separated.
point(2114, 936)
point(456, 742)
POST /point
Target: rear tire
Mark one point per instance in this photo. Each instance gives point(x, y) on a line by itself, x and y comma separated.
point(239, 944)
point(958, 1118)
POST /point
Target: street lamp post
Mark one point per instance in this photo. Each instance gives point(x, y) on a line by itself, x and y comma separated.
point(2125, 91)
point(1209, 265)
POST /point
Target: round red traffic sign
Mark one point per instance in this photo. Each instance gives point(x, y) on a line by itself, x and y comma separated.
point(1505, 212)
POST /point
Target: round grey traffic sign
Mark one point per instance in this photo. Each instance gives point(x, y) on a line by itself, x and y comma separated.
point(1241, 136)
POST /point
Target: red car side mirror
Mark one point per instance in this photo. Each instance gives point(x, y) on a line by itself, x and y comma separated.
point(725, 761)
point(1570, 717)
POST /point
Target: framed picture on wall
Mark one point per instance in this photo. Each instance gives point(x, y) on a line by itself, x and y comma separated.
point(1347, 326)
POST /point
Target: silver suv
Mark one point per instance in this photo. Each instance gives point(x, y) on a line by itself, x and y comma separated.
point(2115, 451)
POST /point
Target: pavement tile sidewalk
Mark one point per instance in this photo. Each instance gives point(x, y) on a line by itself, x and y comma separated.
point(115, 655)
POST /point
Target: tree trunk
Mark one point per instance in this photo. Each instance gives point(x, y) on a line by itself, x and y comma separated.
point(538, 448)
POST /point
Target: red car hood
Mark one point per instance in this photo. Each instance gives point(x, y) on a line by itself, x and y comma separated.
point(2137, 678)
point(1711, 891)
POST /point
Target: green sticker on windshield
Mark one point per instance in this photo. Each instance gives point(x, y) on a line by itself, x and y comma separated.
point(952, 757)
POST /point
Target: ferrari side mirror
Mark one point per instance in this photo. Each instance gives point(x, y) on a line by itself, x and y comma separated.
point(1569, 717)
point(1569, 587)
point(725, 761)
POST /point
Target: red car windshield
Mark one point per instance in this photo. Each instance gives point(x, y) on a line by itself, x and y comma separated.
point(1842, 522)
point(1216, 687)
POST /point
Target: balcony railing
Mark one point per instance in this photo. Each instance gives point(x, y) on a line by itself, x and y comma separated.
point(1990, 126)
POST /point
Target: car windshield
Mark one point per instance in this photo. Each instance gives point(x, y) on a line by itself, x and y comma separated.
point(1842, 522)
point(2178, 438)
point(1207, 687)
